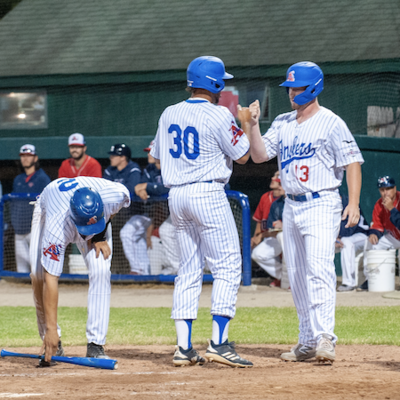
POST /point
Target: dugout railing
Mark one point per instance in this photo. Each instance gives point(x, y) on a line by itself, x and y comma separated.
point(156, 209)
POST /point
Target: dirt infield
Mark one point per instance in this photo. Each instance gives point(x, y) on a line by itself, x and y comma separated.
point(146, 372)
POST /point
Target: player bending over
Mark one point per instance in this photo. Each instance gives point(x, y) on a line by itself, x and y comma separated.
point(196, 143)
point(314, 147)
point(76, 210)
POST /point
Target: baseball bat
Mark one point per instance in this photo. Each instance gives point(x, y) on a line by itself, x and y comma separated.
point(84, 361)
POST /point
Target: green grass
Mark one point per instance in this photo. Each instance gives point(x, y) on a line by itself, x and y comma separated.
point(354, 325)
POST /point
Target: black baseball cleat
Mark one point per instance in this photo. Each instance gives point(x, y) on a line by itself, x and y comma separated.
point(225, 353)
point(59, 353)
point(363, 287)
point(187, 357)
point(96, 351)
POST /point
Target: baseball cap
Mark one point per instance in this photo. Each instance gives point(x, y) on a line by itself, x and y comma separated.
point(76, 139)
point(386, 181)
point(27, 149)
point(150, 146)
point(120, 149)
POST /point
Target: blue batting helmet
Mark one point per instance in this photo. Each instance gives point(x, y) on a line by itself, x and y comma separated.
point(208, 73)
point(386, 181)
point(87, 211)
point(308, 74)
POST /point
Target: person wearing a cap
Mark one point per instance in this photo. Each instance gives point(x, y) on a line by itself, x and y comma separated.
point(266, 246)
point(32, 180)
point(140, 236)
point(122, 169)
point(80, 164)
point(384, 232)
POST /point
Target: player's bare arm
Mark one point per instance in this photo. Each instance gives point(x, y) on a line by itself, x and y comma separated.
point(140, 190)
point(50, 297)
point(257, 149)
point(353, 174)
point(373, 239)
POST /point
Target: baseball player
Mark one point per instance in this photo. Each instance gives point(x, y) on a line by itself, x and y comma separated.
point(32, 180)
point(384, 232)
point(350, 243)
point(267, 249)
point(76, 210)
point(314, 147)
point(197, 142)
point(80, 163)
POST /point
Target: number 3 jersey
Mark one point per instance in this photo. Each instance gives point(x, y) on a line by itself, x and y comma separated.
point(197, 141)
point(312, 156)
point(54, 202)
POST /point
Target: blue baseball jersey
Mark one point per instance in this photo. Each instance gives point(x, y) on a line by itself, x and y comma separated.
point(21, 211)
point(130, 176)
point(197, 141)
point(155, 186)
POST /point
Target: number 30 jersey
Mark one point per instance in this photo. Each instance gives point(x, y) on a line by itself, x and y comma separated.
point(312, 156)
point(197, 141)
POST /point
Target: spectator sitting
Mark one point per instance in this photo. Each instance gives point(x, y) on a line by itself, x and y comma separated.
point(350, 243)
point(268, 253)
point(32, 180)
point(139, 238)
point(122, 169)
point(384, 232)
point(80, 164)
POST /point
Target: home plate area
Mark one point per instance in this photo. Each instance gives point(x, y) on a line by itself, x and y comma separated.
point(146, 372)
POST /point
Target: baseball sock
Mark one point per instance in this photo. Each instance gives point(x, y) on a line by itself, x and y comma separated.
point(184, 333)
point(220, 327)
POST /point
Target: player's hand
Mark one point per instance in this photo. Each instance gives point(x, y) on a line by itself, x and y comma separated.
point(50, 343)
point(255, 241)
point(102, 247)
point(244, 114)
point(388, 203)
point(373, 239)
point(140, 190)
point(353, 212)
point(255, 112)
point(339, 244)
point(277, 224)
point(148, 241)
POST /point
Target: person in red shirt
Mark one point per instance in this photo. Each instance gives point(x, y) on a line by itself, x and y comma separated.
point(265, 248)
point(80, 164)
point(384, 232)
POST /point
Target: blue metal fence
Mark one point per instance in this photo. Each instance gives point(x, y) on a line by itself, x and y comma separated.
point(244, 233)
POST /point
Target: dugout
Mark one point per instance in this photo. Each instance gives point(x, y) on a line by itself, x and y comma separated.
point(108, 70)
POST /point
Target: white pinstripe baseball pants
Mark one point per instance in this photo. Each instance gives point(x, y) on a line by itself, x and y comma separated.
point(205, 228)
point(309, 230)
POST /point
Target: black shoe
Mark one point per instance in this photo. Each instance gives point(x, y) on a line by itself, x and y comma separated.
point(59, 353)
point(363, 287)
point(225, 353)
point(95, 351)
point(187, 357)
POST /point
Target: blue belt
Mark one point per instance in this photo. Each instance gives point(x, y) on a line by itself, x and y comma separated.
point(302, 197)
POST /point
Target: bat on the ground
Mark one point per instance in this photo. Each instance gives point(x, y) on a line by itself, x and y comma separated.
point(84, 361)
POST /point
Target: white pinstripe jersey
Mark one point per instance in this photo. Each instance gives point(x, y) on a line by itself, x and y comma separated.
point(55, 199)
point(196, 141)
point(312, 155)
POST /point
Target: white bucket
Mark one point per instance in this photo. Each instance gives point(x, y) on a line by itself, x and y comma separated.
point(381, 266)
point(77, 265)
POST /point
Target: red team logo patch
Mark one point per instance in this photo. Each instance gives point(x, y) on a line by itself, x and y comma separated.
point(237, 133)
point(290, 77)
point(92, 221)
point(53, 251)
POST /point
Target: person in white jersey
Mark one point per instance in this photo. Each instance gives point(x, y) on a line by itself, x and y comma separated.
point(314, 147)
point(76, 210)
point(197, 142)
